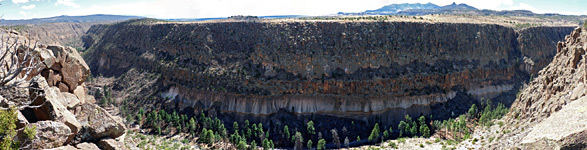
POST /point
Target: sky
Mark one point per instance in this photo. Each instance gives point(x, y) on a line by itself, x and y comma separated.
point(165, 9)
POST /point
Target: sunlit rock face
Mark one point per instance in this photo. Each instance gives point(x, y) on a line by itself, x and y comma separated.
point(330, 67)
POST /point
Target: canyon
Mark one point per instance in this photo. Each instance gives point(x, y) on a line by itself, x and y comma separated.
point(348, 69)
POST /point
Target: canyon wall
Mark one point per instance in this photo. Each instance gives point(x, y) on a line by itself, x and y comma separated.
point(330, 67)
point(550, 112)
point(67, 34)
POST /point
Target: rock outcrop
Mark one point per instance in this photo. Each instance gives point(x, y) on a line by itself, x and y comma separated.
point(56, 101)
point(550, 112)
point(333, 67)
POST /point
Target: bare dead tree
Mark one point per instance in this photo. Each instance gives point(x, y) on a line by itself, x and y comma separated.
point(19, 66)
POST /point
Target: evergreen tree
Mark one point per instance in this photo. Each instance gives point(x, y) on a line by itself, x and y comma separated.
point(204, 136)
point(266, 144)
point(346, 142)
point(335, 139)
point(299, 139)
point(473, 111)
point(374, 133)
point(286, 131)
point(403, 127)
point(235, 127)
point(321, 144)
point(253, 144)
point(242, 145)
point(310, 127)
point(309, 144)
point(385, 134)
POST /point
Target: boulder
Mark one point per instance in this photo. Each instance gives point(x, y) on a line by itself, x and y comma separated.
point(53, 109)
point(69, 100)
point(21, 120)
point(80, 93)
point(49, 134)
point(110, 144)
point(87, 146)
point(53, 78)
point(67, 147)
point(46, 57)
point(73, 67)
point(63, 87)
point(98, 123)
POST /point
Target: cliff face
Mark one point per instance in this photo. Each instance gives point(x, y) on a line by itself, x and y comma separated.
point(330, 67)
point(550, 112)
point(68, 34)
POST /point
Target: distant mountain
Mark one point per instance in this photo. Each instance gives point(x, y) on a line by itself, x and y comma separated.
point(429, 8)
point(458, 6)
point(395, 8)
point(71, 19)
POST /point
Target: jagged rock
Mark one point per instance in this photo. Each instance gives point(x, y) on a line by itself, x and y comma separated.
point(110, 144)
point(66, 147)
point(556, 96)
point(50, 134)
point(73, 68)
point(53, 109)
point(46, 57)
point(70, 100)
point(21, 120)
point(63, 87)
point(87, 146)
point(52, 77)
point(98, 123)
point(80, 93)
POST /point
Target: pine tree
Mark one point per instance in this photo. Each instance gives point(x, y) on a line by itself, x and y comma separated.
point(286, 131)
point(299, 139)
point(266, 144)
point(310, 127)
point(309, 144)
point(374, 133)
point(321, 144)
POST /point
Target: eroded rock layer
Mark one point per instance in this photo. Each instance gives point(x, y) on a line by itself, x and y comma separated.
point(335, 67)
point(550, 112)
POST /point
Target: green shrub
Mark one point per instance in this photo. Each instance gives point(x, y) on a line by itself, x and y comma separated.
point(7, 128)
point(393, 145)
point(401, 140)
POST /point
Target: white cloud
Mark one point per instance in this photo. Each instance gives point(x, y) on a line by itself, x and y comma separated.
point(20, 1)
point(524, 6)
point(22, 13)
point(69, 3)
point(28, 7)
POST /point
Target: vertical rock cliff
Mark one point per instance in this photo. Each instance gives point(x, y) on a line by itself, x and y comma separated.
point(322, 67)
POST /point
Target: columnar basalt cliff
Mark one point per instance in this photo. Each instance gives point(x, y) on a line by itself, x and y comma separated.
point(328, 67)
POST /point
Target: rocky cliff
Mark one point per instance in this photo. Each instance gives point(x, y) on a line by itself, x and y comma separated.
point(550, 112)
point(328, 67)
point(67, 34)
point(55, 102)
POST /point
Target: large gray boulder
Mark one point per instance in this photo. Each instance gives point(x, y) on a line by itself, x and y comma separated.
point(97, 123)
point(50, 134)
point(111, 144)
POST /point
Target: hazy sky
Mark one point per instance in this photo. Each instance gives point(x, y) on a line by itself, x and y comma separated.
point(25, 9)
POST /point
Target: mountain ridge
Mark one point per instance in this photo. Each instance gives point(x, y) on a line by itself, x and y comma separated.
point(68, 19)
